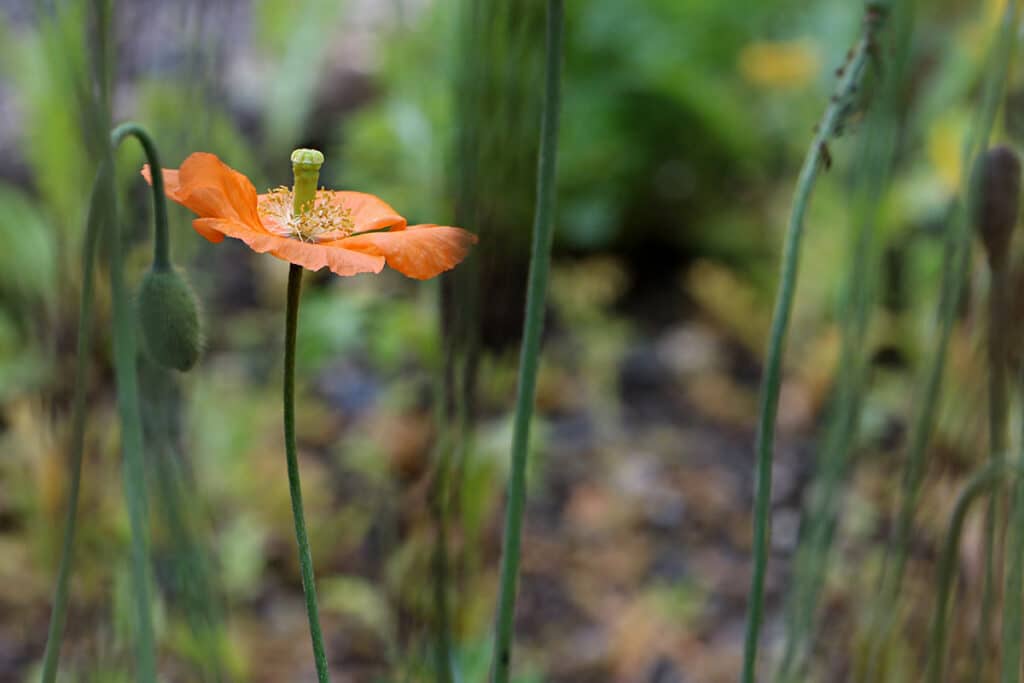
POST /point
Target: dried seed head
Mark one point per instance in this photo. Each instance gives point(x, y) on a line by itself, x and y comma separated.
point(169, 316)
point(998, 202)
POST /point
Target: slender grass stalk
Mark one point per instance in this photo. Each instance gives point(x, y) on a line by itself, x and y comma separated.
point(997, 410)
point(1014, 586)
point(291, 454)
point(439, 500)
point(873, 170)
point(956, 259)
point(58, 614)
point(103, 216)
point(817, 157)
point(981, 483)
point(540, 259)
point(998, 209)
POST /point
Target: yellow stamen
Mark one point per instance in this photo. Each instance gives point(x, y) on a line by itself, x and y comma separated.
point(321, 221)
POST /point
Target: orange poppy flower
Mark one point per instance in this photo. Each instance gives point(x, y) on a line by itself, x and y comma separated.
point(348, 232)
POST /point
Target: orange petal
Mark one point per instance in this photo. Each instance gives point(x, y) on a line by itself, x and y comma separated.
point(211, 234)
point(211, 188)
point(309, 255)
point(419, 251)
point(172, 182)
point(369, 212)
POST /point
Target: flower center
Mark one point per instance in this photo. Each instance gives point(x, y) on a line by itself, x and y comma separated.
point(322, 220)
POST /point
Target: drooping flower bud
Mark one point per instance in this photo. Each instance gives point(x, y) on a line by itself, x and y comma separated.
point(169, 317)
point(998, 202)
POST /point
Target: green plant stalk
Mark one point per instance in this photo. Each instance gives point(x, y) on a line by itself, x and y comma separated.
point(306, 170)
point(58, 614)
point(997, 413)
point(450, 431)
point(161, 241)
point(1013, 592)
point(982, 482)
point(131, 447)
point(815, 158)
point(127, 388)
point(294, 485)
point(440, 568)
point(956, 260)
point(872, 174)
point(540, 259)
point(189, 567)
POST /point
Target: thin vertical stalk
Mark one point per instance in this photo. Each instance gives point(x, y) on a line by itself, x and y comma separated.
point(835, 114)
point(58, 614)
point(997, 412)
point(294, 485)
point(440, 563)
point(1014, 586)
point(956, 259)
point(872, 173)
point(131, 447)
point(540, 259)
point(981, 483)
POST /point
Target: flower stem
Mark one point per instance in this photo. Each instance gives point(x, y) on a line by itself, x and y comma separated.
point(294, 485)
point(540, 259)
point(161, 242)
point(58, 614)
point(814, 161)
point(131, 447)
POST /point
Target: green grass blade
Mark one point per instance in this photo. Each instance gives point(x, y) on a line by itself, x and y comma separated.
point(815, 159)
point(540, 258)
point(58, 615)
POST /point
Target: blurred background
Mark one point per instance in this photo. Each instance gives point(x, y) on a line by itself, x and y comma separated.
point(683, 127)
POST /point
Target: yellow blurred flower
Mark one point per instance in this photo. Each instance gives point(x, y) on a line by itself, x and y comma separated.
point(783, 64)
point(945, 139)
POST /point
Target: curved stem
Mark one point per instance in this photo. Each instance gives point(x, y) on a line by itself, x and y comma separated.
point(980, 483)
point(161, 243)
point(58, 614)
point(540, 258)
point(294, 485)
point(814, 161)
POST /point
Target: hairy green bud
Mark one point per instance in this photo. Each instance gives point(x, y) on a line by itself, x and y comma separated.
point(998, 203)
point(169, 317)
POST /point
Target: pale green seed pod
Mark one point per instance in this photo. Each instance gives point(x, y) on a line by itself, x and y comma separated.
point(169, 317)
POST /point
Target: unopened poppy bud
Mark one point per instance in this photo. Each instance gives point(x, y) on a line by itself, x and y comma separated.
point(998, 202)
point(169, 317)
